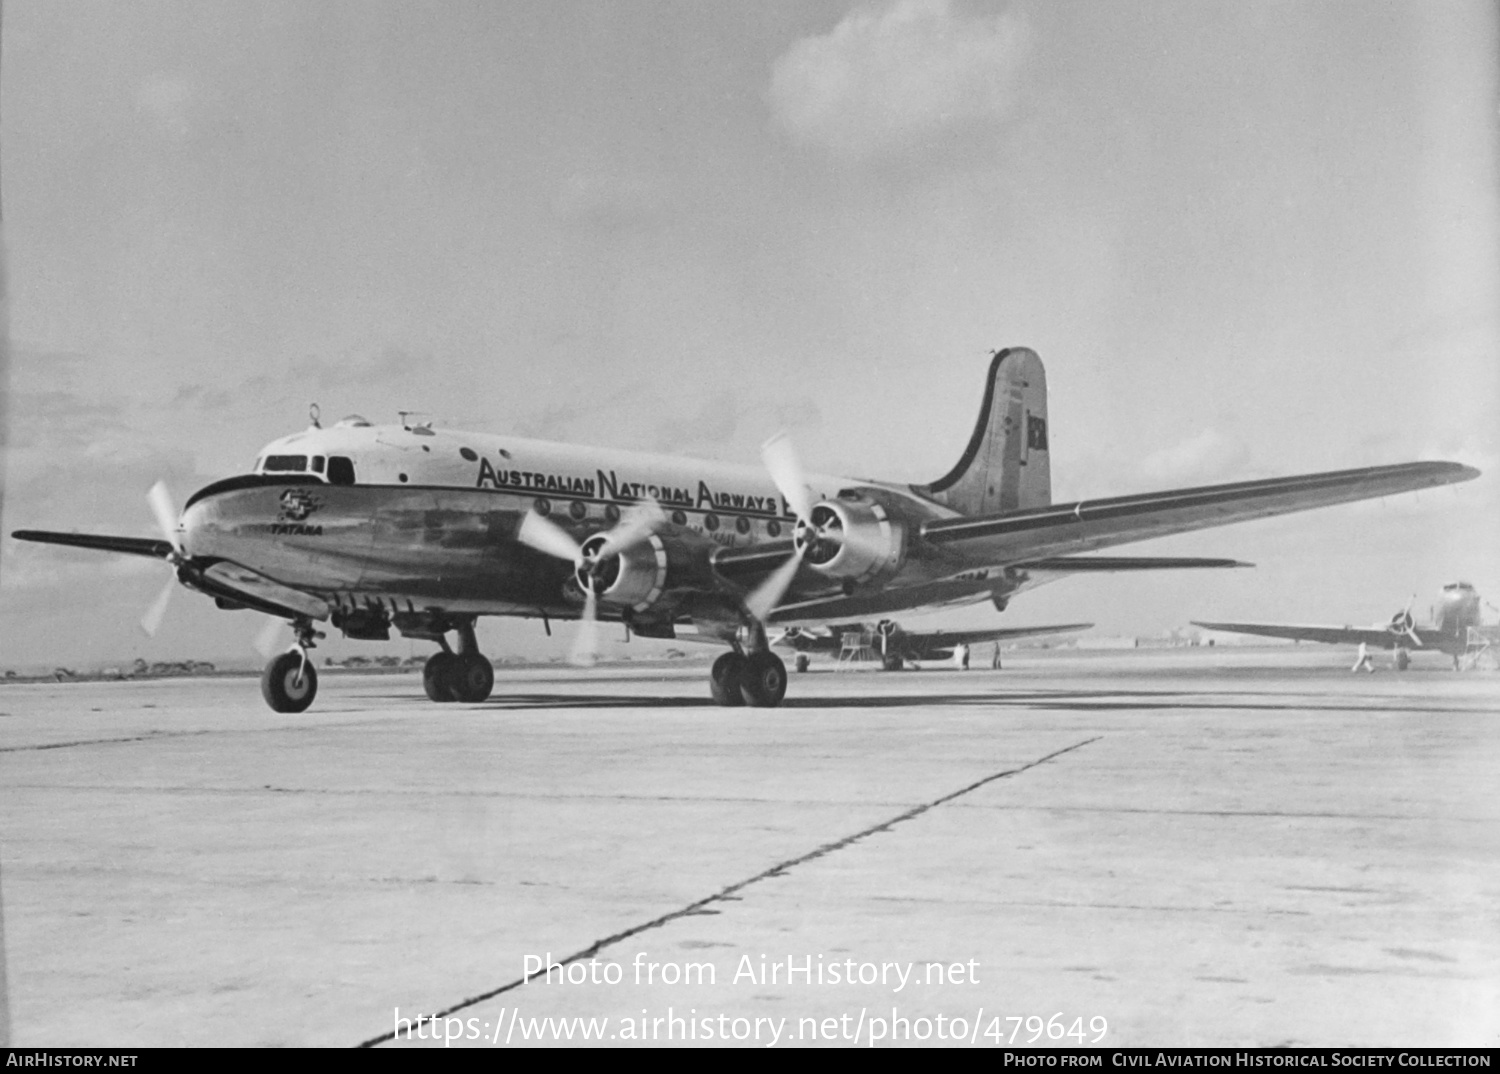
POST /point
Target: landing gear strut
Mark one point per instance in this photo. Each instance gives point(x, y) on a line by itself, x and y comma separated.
point(757, 679)
point(290, 682)
point(459, 676)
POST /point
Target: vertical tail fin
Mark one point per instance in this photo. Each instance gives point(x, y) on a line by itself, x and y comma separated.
point(1006, 466)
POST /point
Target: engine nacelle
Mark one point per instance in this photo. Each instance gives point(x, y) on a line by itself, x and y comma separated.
point(641, 574)
point(850, 540)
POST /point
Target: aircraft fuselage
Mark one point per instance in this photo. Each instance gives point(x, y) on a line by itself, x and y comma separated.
point(431, 518)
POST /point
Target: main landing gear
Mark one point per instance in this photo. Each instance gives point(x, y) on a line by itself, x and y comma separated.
point(757, 679)
point(459, 676)
point(290, 682)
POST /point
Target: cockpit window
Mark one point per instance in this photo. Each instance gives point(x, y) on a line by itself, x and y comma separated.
point(286, 464)
point(317, 464)
point(340, 470)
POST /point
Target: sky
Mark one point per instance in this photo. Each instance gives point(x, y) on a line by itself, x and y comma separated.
point(1247, 238)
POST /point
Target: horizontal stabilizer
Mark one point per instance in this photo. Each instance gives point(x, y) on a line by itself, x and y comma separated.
point(1072, 564)
point(131, 546)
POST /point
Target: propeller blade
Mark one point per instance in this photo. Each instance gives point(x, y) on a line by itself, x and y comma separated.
point(762, 602)
point(585, 651)
point(265, 641)
point(547, 536)
point(166, 515)
point(151, 621)
point(638, 523)
point(781, 462)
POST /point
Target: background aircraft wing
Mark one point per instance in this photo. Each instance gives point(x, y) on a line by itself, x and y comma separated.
point(1023, 536)
point(132, 546)
point(946, 639)
point(1379, 637)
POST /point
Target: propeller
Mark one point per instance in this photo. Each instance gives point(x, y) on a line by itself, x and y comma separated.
point(1403, 623)
point(547, 536)
point(266, 640)
point(636, 524)
point(166, 521)
point(166, 515)
point(151, 621)
point(780, 460)
point(585, 651)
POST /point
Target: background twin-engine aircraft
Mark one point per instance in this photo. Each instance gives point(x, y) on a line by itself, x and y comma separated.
point(374, 527)
point(895, 647)
point(1457, 630)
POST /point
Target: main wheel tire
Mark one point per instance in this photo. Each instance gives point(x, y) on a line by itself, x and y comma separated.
point(763, 681)
point(286, 685)
point(890, 662)
point(803, 662)
point(724, 680)
point(1403, 659)
point(471, 678)
point(439, 678)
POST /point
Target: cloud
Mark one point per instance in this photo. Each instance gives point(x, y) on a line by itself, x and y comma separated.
point(883, 82)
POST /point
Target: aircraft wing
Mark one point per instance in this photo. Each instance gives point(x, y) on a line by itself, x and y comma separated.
point(1024, 536)
point(1084, 564)
point(263, 593)
point(131, 546)
point(1377, 636)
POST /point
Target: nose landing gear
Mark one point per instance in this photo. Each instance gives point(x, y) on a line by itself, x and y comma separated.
point(290, 682)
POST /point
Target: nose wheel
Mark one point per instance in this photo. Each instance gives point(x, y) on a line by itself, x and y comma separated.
point(290, 682)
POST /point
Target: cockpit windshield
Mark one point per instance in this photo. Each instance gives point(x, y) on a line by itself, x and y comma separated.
point(334, 469)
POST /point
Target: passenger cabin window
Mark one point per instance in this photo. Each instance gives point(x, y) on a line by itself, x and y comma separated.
point(317, 466)
point(340, 470)
point(284, 464)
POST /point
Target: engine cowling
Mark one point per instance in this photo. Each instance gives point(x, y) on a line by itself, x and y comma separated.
point(640, 575)
point(850, 540)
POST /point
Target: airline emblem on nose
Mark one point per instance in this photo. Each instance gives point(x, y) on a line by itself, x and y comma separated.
point(297, 504)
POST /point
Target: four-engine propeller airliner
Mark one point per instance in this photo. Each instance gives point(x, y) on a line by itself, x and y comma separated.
point(1456, 631)
point(373, 527)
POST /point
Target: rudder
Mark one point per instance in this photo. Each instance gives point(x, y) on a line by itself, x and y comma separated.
point(1006, 466)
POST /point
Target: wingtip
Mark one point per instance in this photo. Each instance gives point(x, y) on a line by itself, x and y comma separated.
point(1449, 473)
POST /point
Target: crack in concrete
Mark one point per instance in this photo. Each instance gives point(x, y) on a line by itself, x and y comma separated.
point(157, 736)
point(727, 894)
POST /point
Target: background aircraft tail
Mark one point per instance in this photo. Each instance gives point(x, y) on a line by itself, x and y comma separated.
point(1006, 466)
